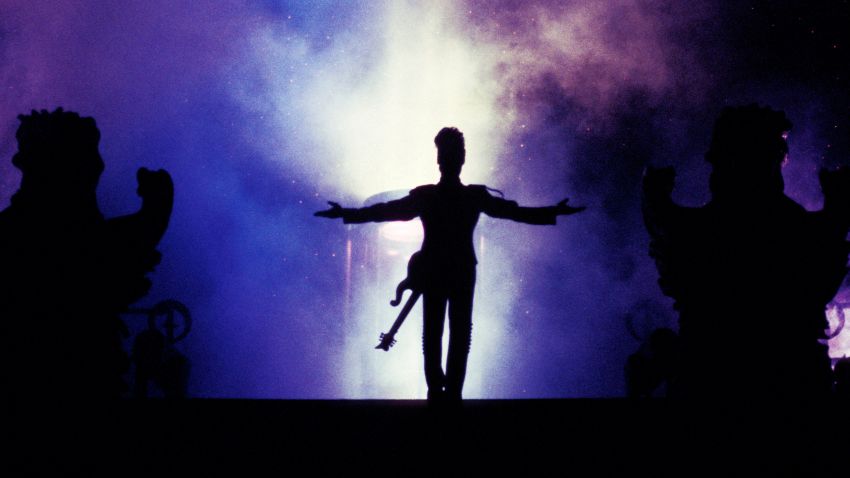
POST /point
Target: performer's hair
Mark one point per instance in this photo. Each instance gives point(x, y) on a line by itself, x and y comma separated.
point(450, 145)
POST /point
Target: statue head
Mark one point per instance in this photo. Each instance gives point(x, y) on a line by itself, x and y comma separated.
point(58, 152)
point(747, 151)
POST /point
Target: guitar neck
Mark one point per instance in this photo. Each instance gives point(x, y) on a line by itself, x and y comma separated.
point(411, 301)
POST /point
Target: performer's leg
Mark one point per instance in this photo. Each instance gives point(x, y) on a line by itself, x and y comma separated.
point(460, 337)
point(434, 315)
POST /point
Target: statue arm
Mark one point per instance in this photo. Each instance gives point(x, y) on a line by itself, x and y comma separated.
point(836, 196)
point(146, 227)
point(829, 227)
point(134, 237)
point(657, 203)
point(662, 218)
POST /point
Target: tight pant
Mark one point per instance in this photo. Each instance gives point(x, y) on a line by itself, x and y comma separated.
point(458, 298)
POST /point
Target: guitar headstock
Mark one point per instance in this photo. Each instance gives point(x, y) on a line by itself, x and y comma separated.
point(387, 341)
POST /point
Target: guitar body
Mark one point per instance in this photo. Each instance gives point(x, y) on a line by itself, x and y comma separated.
point(415, 277)
point(414, 282)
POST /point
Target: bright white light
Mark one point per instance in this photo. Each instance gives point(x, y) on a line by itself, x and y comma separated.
point(406, 231)
point(371, 373)
point(372, 123)
point(357, 116)
point(378, 120)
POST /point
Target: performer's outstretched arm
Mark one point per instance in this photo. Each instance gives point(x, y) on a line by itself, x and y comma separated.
point(403, 209)
point(503, 208)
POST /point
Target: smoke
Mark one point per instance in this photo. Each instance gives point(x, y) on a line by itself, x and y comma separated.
point(153, 75)
point(262, 111)
point(354, 114)
point(358, 112)
point(592, 52)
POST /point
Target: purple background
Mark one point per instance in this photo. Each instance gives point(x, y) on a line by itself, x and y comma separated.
point(231, 97)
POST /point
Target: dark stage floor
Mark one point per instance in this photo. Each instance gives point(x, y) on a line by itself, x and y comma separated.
point(604, 437)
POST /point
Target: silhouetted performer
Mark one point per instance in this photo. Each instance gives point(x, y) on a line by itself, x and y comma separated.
point(751, 272)
point(65, 271)
point(449, 212)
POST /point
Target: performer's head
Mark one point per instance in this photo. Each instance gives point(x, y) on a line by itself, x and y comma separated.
point(747, 151)
point(58, 152)
point(451, 152)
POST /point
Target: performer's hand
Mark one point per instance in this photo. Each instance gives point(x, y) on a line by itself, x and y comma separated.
point(562, 209)
point(334, 212)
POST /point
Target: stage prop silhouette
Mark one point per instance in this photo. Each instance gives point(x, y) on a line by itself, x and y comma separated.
point(751, 272)
point(653, 365)
point(443, 271)
point(66, 272)
point(155, 357)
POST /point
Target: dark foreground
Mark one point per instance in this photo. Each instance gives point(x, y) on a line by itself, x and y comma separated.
point(587, 437)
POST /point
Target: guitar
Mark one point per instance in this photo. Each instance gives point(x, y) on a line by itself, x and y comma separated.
point(413, 282)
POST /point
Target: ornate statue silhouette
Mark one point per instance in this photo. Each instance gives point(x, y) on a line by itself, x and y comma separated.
point(65, 271)
point(449, 211)
point(751, 272)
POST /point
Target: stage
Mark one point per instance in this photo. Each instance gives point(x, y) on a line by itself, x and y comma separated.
point(611, 437)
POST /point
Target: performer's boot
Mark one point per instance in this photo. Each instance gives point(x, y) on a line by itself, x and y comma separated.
point(456, 373)
point(435, 396)
point(435, 378)
point(459, 343)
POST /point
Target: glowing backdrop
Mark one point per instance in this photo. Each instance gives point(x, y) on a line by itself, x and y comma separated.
point(263, 110)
